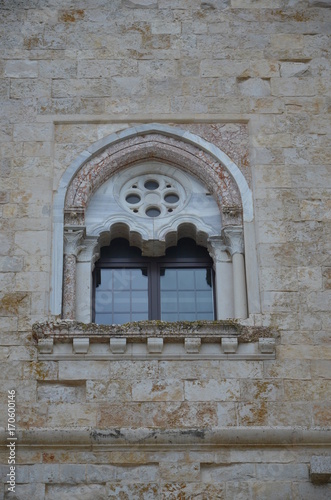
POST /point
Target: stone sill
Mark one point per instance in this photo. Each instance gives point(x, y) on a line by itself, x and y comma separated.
point(209, 331)
point(143, 340)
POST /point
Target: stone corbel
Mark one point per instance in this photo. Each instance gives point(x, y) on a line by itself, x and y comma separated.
point(118, 345)
point(154, 345)
point(192, 345)
point(81, 345)
point(267, 346)
point(45, 346)
point(229, 345)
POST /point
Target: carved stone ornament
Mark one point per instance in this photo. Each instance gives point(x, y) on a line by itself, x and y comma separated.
point(192, 345)
point(81, 345)
point(155, 345)
point(73, 238)
point(233, 237)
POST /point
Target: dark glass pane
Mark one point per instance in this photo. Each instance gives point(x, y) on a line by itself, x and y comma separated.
point(104, 319)
point(186, 294)
point(168, 279)
point(187, 317)
point(127, 298)
point(103, 301)
point(139, 279)
point(171, 198)
point(204, 301)
point(187, 302)
point(132, 198)
point(121, 302)
point(119, 248)
point(169, 302)
point(185, 279)
point(153, 212)
point(187, 248)
point(139, 302)
point(106, 279)
point(169, 317)
point(203, 279)
point(151, 185)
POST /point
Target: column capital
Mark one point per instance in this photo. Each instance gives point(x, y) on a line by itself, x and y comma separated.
point(90, 250)
point(233, 239)
point(73, 239)
point(217, 249)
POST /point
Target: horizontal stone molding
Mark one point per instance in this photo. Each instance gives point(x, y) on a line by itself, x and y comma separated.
point(63, 330)
point(179, 438)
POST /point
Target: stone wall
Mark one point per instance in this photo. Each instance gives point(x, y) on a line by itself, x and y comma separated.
point(259, 72)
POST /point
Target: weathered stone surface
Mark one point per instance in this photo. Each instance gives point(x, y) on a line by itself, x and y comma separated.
point(251, 78)
point(69, 492)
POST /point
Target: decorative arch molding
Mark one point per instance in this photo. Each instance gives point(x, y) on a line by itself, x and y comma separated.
point(172, 145)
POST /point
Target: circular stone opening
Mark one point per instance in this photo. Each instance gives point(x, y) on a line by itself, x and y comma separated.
point(151, 185)
point(171, 198)
point(132, 199)
point(153, 212)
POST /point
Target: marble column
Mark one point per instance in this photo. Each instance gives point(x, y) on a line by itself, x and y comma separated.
point(72, 246)
point(223, 277)
point(85, 265)
point(234, 241)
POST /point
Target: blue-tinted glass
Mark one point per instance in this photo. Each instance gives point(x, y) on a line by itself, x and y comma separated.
point(139, 316)
point(125, 300)
point(106, 279)
point(186, 294)
point(139, 280)
point(169, 279)
point(119, 319)
point(204, 301)
point(187, 317)
point(205, 316)
point(169, 317)
point(168, 302)
point(122, 279)
point(139, 301)
point(185, 279)
point(122, 302)
point(203, 279)
point(187, 302)
point(104, 319)
point(103, 301)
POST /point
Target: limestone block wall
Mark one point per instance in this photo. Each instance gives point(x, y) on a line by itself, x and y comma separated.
point(259, 72)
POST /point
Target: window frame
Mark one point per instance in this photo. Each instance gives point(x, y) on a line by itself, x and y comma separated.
point(153, 265)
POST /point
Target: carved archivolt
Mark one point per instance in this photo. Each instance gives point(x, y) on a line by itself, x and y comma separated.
point(182, 155)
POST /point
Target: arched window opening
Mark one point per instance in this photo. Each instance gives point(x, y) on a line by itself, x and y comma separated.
point(154, 185)
point(178, 286)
